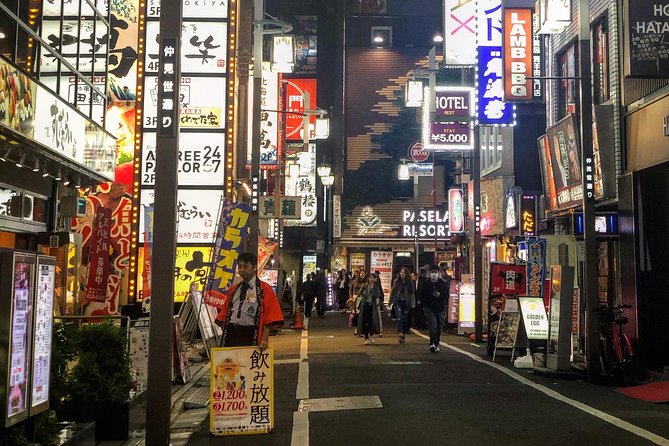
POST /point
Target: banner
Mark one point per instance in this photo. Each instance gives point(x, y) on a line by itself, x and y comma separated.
point(232, 228)
point(265, 250)
point(536, 266)
point(456, 217)
point(98, 264)
point(565, 162)
point(148, 251)
point(242, 391)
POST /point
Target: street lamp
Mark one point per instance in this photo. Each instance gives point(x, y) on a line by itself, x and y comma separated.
point(323, 170)
point(403, 174)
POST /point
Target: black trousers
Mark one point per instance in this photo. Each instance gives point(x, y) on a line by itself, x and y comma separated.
point(308, 305)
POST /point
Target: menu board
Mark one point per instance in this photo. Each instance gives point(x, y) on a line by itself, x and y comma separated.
point(534, 317)
point(138, 333)
point(20, 351)
point(382, 261)
point(42, 333)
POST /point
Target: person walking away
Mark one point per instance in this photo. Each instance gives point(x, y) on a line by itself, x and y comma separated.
point(368, 308)
point(402, 297)
point(381, 301)
point(433, 296)
point(417, 318)
point(341, 286)
point(321, 291)
point(250, 308)
point(308, 294)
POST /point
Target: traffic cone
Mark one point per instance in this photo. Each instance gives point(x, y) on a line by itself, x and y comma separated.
point(297, 319)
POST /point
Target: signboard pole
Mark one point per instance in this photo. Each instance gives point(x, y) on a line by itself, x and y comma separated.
point(478, 252)
point(587, 173)
point(164, 249)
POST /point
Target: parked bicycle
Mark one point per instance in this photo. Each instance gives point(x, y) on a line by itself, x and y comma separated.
point(616, 351)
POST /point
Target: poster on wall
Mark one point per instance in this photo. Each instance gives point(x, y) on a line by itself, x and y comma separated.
point(17, 99)
point(203, 102)
point(200, 159)
point(563, 141)
point(382, 261)
point(19, 353)
point(242, 391)
point(357, 261)
point(42, 333)
point(197, 212)
point(308, 266)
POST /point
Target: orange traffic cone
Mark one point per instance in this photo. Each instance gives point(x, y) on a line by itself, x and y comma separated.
point(297, 319)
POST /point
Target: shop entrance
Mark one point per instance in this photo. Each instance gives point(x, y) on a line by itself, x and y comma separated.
point(653, 282)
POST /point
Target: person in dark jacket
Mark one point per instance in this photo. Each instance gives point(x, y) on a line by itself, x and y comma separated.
point(321, 292)
point(308, 294)
point(341, 286)
point(417, 317)
point(434, 298)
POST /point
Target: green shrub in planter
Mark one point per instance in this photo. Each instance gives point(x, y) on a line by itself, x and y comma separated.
point(102, 372)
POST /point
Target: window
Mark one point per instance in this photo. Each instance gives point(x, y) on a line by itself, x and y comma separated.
point(568, 87)
point(600, 62)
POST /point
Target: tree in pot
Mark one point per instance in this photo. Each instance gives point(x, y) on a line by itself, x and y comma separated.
point(99, 383)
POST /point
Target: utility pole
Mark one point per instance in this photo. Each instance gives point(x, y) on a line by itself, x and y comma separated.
point(258, 16)
point(587, 174)
point(164, 248)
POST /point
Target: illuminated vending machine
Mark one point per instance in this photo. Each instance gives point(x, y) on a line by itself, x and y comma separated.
point(27, 282)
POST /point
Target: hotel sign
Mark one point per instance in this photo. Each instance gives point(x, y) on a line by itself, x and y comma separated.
point(439, 133)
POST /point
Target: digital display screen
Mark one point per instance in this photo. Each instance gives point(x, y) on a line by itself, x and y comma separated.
point(42, 333)
point(20, 352)
point(606, 224)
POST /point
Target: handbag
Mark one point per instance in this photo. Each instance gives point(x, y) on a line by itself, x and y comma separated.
point(350, 319)
point(393, 313)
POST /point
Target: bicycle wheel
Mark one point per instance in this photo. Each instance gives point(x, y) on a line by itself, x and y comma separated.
point(604, 357)
point(627, 362)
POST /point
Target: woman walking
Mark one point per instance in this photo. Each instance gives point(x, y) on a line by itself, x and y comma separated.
point(359, 280)
point(368, 308)
point(403, 298)
point(341, 288)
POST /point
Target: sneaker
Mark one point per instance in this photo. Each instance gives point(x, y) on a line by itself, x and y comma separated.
point(371, 339)
point(433, 348)
point(366, 341)
point(355, 332)
point(380, 335)
point(436, 349)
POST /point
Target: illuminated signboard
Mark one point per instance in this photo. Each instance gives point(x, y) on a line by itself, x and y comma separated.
point(451, 102)
point(534, 317)
point(491, 109)
point(210, 9)
point(336, 215)
point(565, 162)
point(197, 212)
point(200, 159)
point(304, 186)
point(528, 215)
point(431, 223)
point(554, 15)
point(518, 44)
point(202, 102)
point(460, 32)
point(456, 206)
point(296, 91)
point(203, 47)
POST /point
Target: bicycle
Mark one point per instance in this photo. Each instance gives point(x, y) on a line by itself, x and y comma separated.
point(616, 351)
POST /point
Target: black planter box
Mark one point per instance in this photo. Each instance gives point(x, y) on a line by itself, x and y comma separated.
point(111, 417)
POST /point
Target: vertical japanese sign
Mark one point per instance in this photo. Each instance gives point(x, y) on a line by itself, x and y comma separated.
point(304, 186)
point(460, 32)
point(528, 215)
point(564, 152)
point(296, 92)
point(242, 391)
point(518, 54)
point(168, 108)
point(148, 249)
point(382, 261)
point(98, 264)
point(336, 216)
point(232, 228)
point(456, 209)
point(491, 109)
point(536, 266)
point(269, 119)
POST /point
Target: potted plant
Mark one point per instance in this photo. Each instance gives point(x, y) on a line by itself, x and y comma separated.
point(98, 385)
